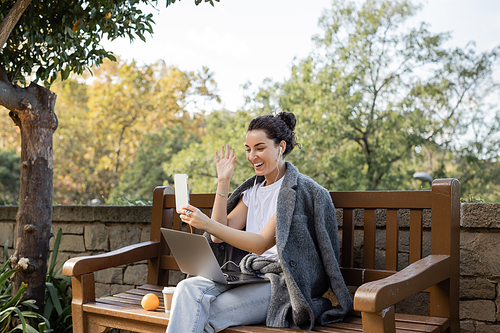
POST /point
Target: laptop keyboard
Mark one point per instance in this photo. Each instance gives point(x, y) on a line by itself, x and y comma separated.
point(231, 277)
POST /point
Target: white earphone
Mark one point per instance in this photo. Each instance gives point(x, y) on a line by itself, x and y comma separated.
point(277, 165)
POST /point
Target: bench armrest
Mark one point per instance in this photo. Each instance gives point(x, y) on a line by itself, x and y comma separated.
point(378, 295)
point(125, 255)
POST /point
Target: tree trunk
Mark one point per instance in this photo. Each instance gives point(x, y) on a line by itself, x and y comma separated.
point(35, 116)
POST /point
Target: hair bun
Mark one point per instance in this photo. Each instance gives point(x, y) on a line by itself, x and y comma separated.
point(288, 118)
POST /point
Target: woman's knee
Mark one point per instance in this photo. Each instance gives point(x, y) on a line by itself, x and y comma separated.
point(194, 287)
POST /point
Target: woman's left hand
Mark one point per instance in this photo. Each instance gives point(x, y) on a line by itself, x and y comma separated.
point(195, 217)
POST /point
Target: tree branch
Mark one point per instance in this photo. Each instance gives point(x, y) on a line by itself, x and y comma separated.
point(11, 19)
point(3, 75)
point(10, 96)
point(382, 173)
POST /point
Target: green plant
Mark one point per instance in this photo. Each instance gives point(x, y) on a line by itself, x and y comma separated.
point(473, 199)
point(124, 201)
point(12, 309)
point(57, 294)
point(57, 311)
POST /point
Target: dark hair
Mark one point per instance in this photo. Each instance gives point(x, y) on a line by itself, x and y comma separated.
point(277, 128)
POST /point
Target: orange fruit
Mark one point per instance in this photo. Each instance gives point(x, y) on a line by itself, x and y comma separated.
point(150, 302)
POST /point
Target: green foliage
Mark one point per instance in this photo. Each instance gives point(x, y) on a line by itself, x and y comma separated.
point(124, 201)
point(379, 100)
point(65, 36)
point(473, 199)
point(14, 308)
point(146, 172)
point(477, 166)
point(57, 308)
point(198, 160)
point(10, 165)
point(375, 92)
point(354, 119)
point(57, 311)
point(127, 119)
point(197, 2)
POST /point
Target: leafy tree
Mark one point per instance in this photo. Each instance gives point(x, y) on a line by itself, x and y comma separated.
point(468, 147)
point(476, 163)
point(9, 177)
point(40, 40)
point(112, 118)
point(146, 172)
point(373, 91)
point(198, 160)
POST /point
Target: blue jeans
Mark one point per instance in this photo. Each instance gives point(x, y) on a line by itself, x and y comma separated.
point(201, 305)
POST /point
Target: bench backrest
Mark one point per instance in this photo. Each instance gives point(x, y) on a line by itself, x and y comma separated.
point(361, 217)
point(384, 215)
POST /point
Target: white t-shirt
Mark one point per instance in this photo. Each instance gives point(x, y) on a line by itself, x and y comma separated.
point(262, 202)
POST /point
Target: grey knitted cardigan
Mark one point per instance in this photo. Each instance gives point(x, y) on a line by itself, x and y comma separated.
point(308, 247)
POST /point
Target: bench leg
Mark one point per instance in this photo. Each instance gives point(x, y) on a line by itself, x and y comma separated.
point(445, 302)
point(383, 322)
point(83, 292)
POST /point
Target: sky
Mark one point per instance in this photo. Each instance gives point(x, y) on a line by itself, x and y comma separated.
point(248, 41)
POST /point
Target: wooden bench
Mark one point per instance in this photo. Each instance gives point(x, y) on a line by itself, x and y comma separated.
point(379, 289)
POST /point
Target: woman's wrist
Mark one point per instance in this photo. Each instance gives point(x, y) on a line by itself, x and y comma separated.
point(222, 187)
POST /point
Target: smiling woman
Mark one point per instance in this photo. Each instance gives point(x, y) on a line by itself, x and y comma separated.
point(269, 140)
point(274, 217)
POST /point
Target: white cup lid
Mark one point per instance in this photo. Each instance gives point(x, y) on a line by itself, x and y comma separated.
point(167, 290)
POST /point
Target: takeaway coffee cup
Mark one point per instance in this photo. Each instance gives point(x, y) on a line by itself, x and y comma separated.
point(168, 293)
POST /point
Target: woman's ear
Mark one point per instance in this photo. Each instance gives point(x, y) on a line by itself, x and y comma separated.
point(282, 147)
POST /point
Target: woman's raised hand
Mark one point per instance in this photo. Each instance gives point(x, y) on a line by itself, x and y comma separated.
point(225, 163)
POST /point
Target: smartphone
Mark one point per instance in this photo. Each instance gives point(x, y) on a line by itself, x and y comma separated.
point(181, 191)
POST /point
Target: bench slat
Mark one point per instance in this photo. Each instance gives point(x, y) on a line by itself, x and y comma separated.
point(141, 292)
point(125, 303)
point(331, 329)
point(392, 240)
point(127, 311)
point(259, 329)
point(352, 328)
point(411, 326)
point(168, 262)
point(416, 229)
point(382, 199)
point(348, 238)
point(200, 200)
point(358, 276)
point(442, 323)
point(151, 287)
point(369, 239)
point(177, 222)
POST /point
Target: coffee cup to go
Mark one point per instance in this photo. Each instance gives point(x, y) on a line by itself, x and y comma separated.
point(168, 293)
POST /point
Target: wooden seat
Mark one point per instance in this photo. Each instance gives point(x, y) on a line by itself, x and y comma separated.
point(378, 289)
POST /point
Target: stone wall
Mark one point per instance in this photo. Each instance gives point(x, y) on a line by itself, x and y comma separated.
point(89, 230)
point(480, 268)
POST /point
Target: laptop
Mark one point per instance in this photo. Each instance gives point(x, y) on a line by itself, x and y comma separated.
point(195, 257)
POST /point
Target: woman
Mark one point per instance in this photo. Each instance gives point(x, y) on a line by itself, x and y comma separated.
point(287, 222)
